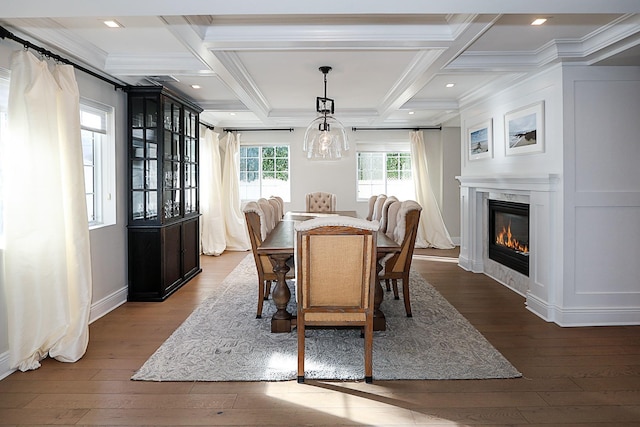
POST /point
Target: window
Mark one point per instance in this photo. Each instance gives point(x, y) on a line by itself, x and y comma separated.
point(98, 152)
point(264, 172)
point(385, 173)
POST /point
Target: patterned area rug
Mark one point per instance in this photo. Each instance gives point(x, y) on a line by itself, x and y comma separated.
point(223, 341)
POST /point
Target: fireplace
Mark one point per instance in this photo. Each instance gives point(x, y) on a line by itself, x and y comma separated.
point(509, 234)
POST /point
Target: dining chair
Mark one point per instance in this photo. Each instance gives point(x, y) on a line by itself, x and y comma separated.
point(384, 217)
point(336, 279)
point(277, 210)
point(320, 201)
point(269, 213)
point(377, 207)
point(372, 203)
point(398, 266)
point(390, 226)
point(256, 226)
point(281, 203)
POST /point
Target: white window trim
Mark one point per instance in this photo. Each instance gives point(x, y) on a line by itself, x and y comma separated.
point(107, 167)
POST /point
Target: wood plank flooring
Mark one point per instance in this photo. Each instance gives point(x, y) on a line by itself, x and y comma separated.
point(572, 376)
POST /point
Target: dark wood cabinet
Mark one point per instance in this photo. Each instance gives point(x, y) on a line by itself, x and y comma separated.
point(163, 227)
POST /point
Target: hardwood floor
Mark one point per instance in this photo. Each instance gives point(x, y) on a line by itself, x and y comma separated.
point(571, 376)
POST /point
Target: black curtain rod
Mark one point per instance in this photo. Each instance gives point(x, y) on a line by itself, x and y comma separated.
point(413, 128)
point(6, 34)
point(258, 130)
point(207, 125)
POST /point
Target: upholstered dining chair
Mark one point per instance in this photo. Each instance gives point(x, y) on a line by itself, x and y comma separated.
point(321, 201)
point(377, 207)
point(398, 266)
point(269, 213)
point(384, 217)
point(336, 279)
point(390, 225)
point(277, 210)
point(372, 204)
point(256, 226)
point(280, 202)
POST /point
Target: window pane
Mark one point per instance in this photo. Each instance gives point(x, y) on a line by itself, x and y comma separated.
point(264, 172)
point(385, 173)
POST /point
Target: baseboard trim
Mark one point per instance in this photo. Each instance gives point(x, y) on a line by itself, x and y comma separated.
point(108, 304)
point(584, 316)
point(98, 309)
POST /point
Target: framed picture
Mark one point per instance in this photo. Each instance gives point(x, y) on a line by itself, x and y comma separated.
point(524, 130)
point(480, 141)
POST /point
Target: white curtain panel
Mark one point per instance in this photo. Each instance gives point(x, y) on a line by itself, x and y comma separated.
point(431, 230)
point(237, 237)
point(47, 274)
point(213, 236)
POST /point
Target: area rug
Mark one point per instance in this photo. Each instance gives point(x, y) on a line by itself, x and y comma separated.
point(223, 341)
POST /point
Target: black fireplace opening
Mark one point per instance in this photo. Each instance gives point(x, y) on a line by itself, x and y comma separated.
point(509, 234)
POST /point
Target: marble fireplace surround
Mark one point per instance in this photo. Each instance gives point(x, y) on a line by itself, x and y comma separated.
point(540, 193)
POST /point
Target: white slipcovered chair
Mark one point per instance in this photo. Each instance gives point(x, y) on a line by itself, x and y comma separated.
point(377, 207)
point(256, 226)
point(384, 218)
point(372, 204)
point(320, 201)
point(398, 266)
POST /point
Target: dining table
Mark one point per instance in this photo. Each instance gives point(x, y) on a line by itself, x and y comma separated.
point(279, 247)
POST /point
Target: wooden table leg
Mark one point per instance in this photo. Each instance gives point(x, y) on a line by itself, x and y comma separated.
point(379, 321)
point(281, 320)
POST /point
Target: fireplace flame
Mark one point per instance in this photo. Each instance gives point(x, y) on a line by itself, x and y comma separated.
point(505, 238)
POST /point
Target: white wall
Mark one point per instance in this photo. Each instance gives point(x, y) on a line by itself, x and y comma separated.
point(602, 196)
point(108, 244)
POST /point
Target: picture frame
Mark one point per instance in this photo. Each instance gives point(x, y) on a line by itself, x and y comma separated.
point(480, 140)
point(524, 130)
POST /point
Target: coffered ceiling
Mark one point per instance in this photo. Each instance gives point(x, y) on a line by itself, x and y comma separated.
point(256, 62)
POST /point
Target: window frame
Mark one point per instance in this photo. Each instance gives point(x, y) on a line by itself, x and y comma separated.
point(383, 149)
point(103, 166)
point(261, 172)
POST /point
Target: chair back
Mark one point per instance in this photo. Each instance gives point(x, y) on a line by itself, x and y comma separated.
point(377, 207)
point(277, 210)
point(405, 234)
point(392, 218)
point(269, 214)
point(384, 218)
point(255, 220)
point(281, 203)
point(336, 269)
point(372, 203)
point(320, 201)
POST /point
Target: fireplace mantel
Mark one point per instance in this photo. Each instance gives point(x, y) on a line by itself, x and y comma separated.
point(548, 182)
point(541, 193)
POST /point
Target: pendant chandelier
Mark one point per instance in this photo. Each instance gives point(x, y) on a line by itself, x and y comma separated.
point(325, 138)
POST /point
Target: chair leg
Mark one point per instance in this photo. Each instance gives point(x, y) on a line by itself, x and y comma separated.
point(405, 294)
point(368, 352)
point(300, 328)
point(395, 289)
point(388, 282)
point(267, 289)
point(261, 286)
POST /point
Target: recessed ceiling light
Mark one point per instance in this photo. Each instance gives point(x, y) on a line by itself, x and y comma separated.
point(112, 24)
point(411, 112)
point(450, 84)
point(539, 21)
point(232, 114)
point(196, 86)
